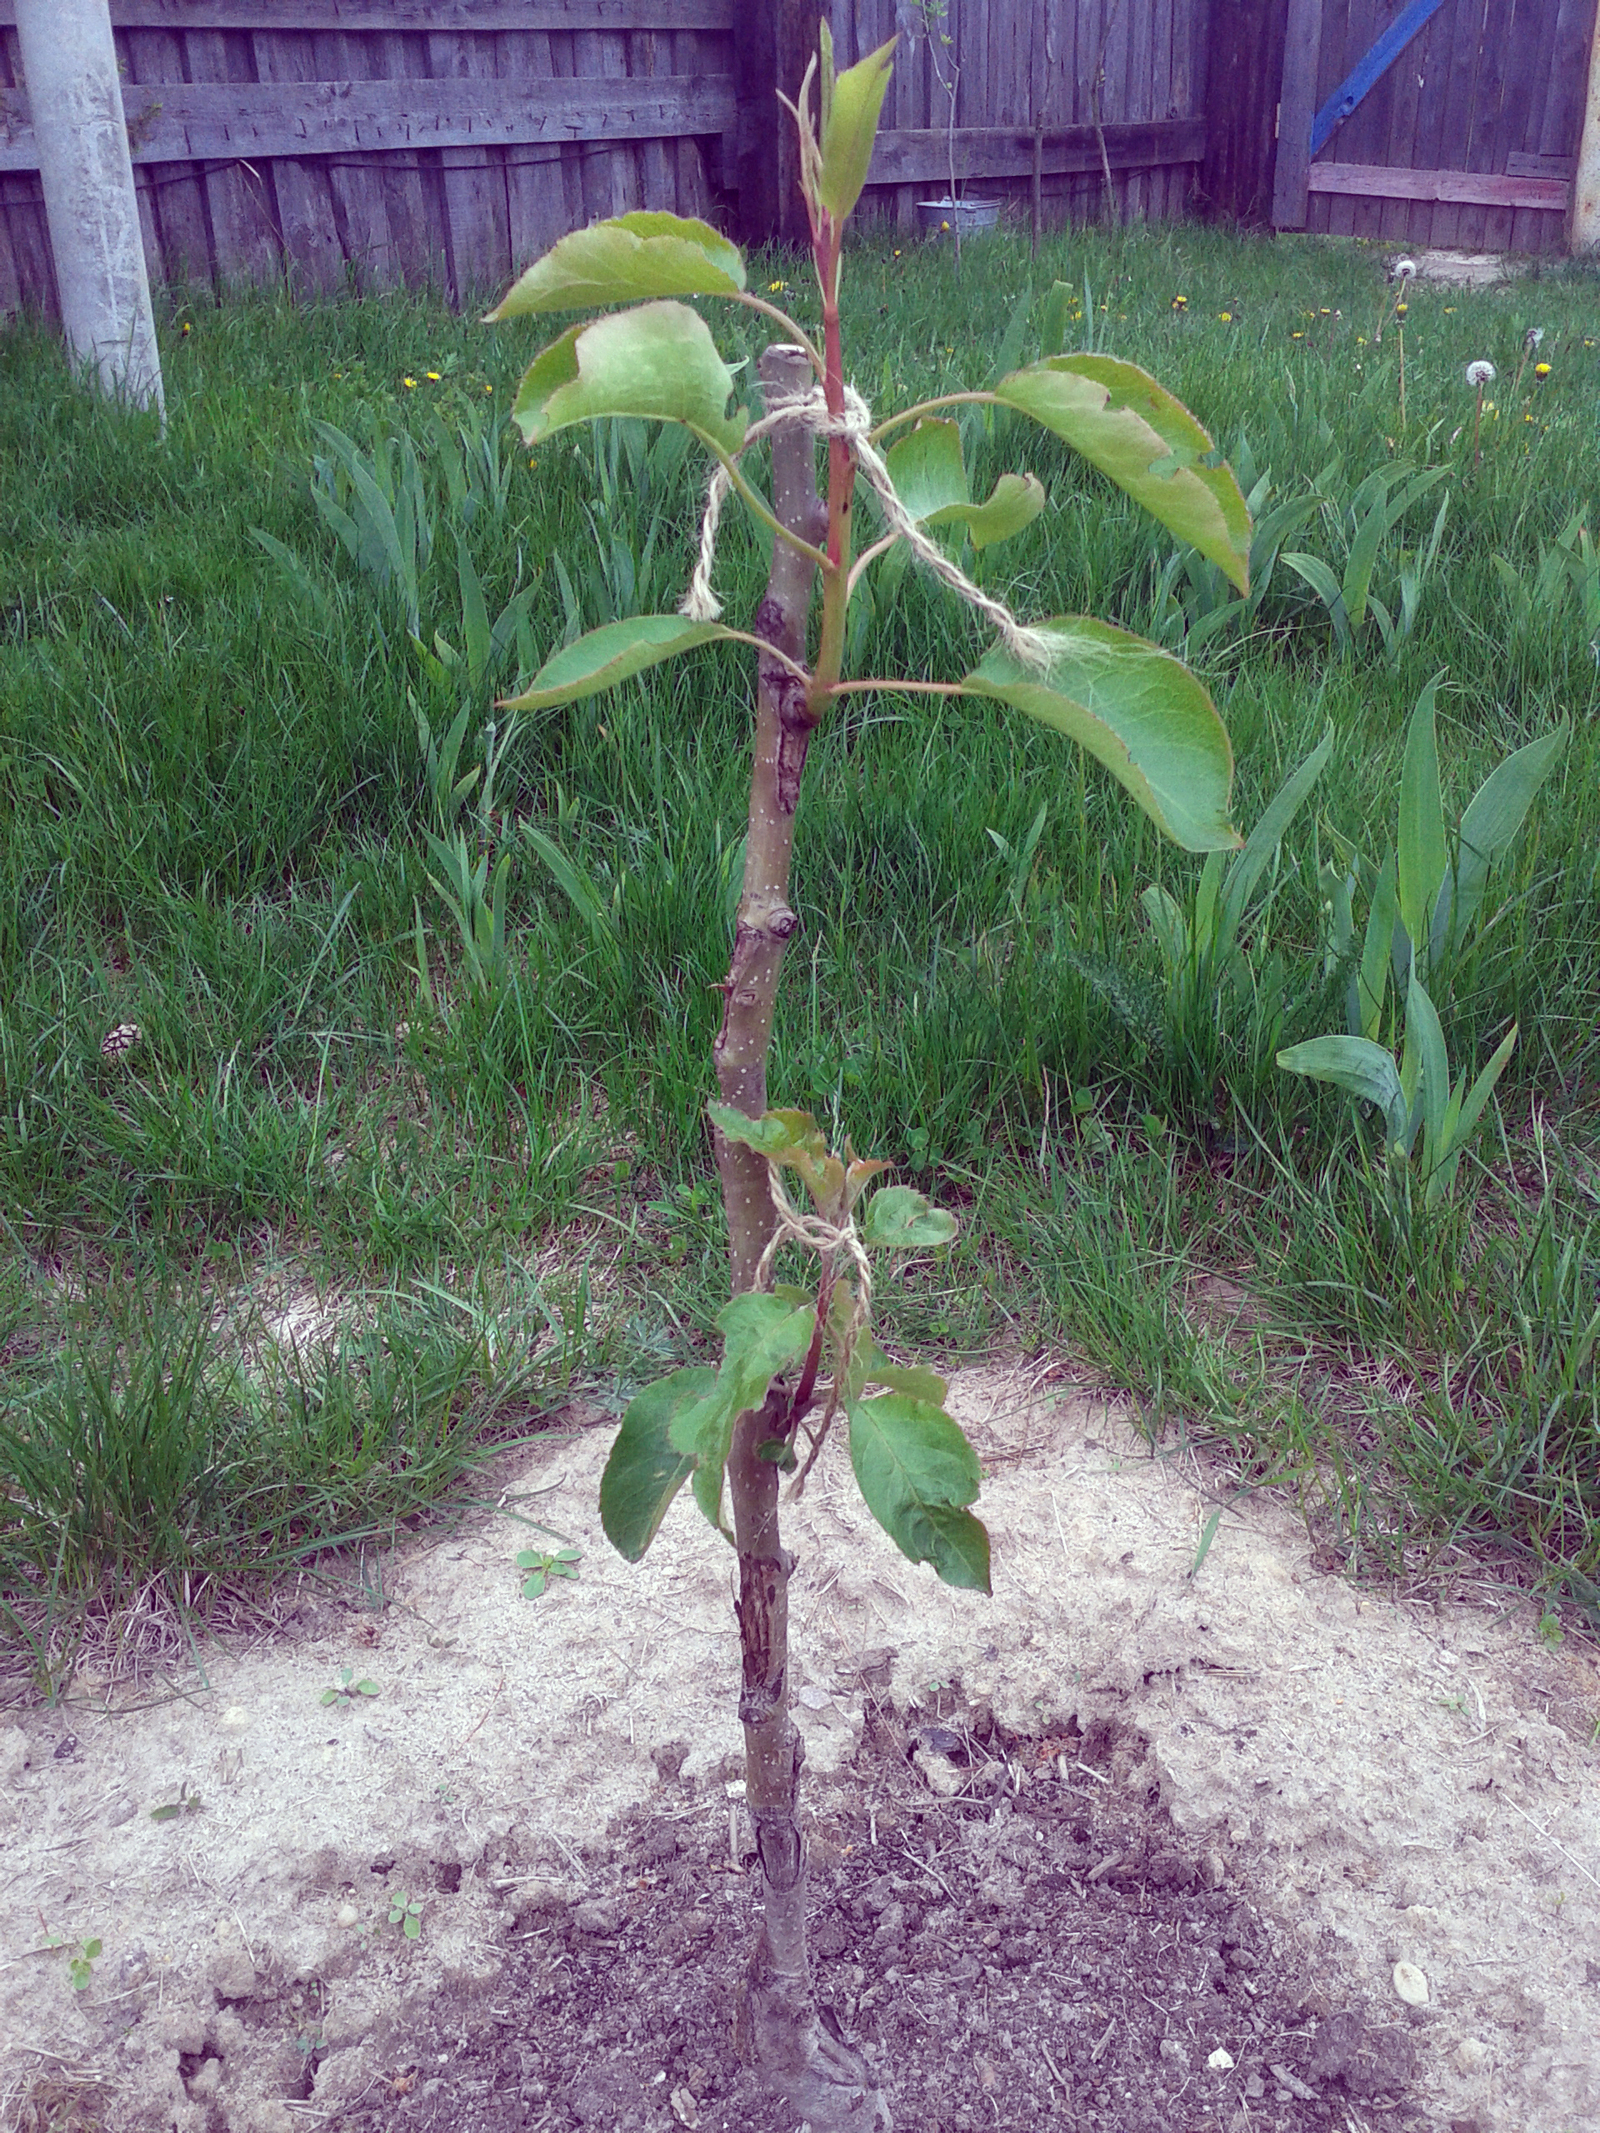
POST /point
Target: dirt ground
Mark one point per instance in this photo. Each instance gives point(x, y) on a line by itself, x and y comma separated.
point(1126, 1846)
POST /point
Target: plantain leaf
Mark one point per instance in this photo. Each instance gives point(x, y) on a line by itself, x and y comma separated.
point(1423, 855)
point(849, 125)
point(1138, 711)
point(917, 1473)
point(646, 1470)
point(627, 260)
point(1359, 1067)
point(609, 655)
point(903, 1220)
point(1144, 440)
point(657, 362)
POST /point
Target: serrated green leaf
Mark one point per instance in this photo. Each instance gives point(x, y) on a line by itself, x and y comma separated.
point(850, 125)
point(1138, 711)
point(1144, 440)
point(917, 1473)
point(781, 1136)
point(646, 1470)
point(657, 362)
point(762, 1335)
point(1358, 1066)
point(610, 655)
point(627, 260)
point(898, 1218)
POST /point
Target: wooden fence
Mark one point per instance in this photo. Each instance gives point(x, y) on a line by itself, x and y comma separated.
point(378, 141)
point(1064, 88)
point(1451, 122)
point(370, 142)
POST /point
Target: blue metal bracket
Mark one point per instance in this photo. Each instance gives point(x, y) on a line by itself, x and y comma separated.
point(1370, 69)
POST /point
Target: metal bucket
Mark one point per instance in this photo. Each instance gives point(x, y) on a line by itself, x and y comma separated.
point(939, 217)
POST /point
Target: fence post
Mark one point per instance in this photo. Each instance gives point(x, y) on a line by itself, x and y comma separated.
point(774, 42)
point(1302, 44)
point(1585, 232)
point(75, 100)
point(1244, 72)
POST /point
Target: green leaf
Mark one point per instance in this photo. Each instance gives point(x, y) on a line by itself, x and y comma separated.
point(900, 1219)
point(1482, 1089)
point(1422, 1017)
point(930, 478)
point(1488, 828)
point(870, 1366)
point(646, 1470)
point(609, 655)
point(1423, 855)
point(762, 1335)
point(781, 1136)
point(1358, 1066)
point(1326, 587)
point(1144, 440)
point(850, 124)
point(657, 362)
point(1138, 711)
point(1268, 834)
point(917, 1473)
point(1016, 501)
point(1057, 317)
point(627, 260)
point(533, 1586)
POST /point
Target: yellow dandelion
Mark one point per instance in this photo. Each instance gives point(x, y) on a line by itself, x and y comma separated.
point(776, 288)
point(1324, 312)
point(897, 251)
point(1540, 370)
point(1226, 317)
point(408, 383)
point(488, 388)
point(187, 327)
point(1297, 336)
point(1179, 303)
point(944, 225)
point(1400, 310)
point(432, 375)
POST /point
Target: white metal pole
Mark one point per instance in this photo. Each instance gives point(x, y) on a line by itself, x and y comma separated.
point(69, 65)
point(1585, 236)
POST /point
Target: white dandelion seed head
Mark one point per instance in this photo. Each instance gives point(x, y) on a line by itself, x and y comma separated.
point(1480, 373)
point(1532, 338)
point(1404, 269)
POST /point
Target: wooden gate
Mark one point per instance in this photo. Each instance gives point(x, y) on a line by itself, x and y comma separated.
point(1440, 122)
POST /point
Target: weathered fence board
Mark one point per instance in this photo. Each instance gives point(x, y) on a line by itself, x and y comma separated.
point(286, 113)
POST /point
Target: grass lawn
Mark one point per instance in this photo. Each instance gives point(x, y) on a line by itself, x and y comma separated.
point(489, 1169)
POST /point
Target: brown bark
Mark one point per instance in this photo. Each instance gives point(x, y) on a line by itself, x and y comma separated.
point(779, 2029)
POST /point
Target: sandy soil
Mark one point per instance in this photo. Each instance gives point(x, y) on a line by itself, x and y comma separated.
point(1384, 1785)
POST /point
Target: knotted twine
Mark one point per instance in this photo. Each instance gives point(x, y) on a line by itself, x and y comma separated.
point(1029, 647)
point(818, 1234)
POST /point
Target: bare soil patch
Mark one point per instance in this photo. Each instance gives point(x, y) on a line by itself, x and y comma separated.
point(1069, 1843)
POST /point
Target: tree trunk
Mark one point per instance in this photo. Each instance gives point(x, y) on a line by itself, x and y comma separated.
point(779, 2031)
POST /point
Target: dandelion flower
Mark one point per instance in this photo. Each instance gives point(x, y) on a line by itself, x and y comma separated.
point(408, 383)
point(1402, 270)
point(1226, 317)
point(432, 375)
point(1541, 370)
point(187, 327)
point(1532, 338)
point(1298, 336)
point(944, 225)
point(1400, 310)
point(1179, 303)
point(1480, 373)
